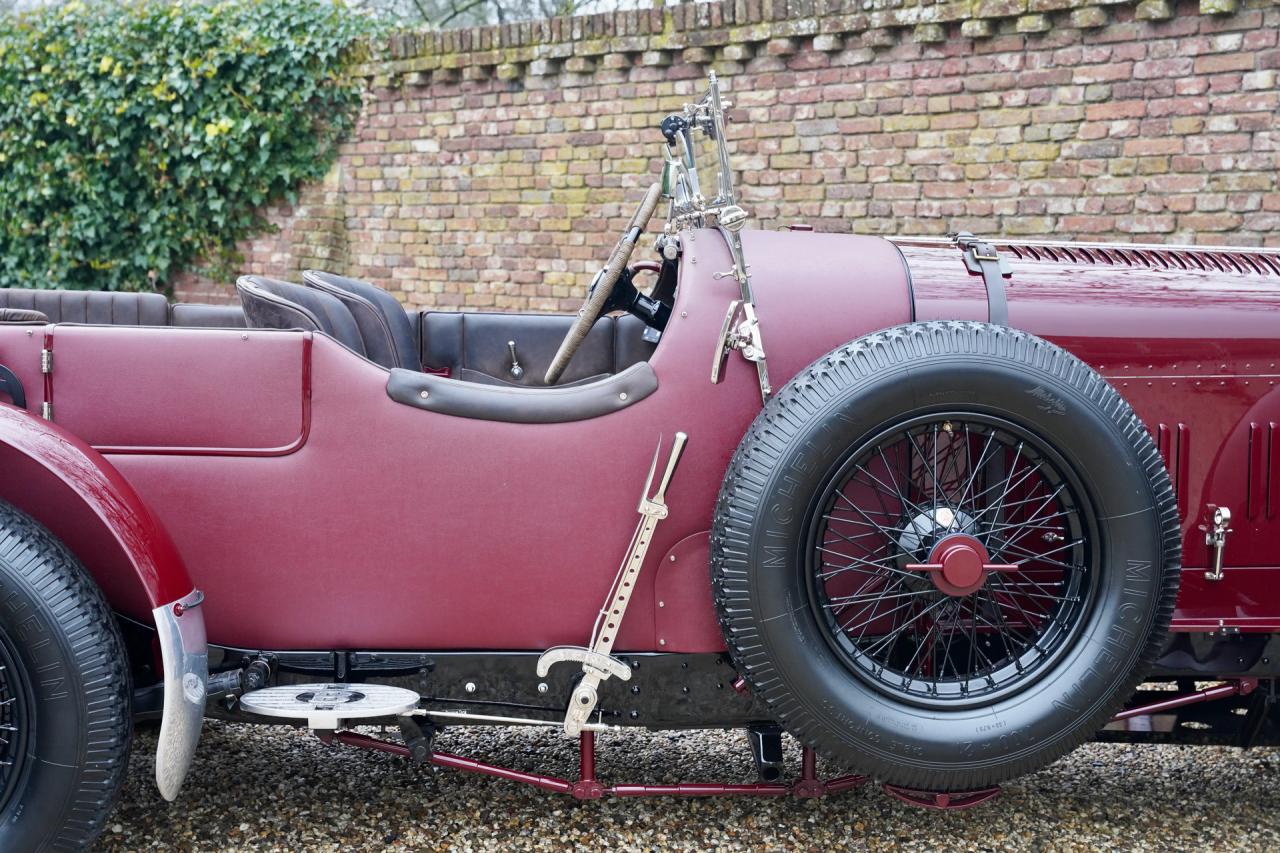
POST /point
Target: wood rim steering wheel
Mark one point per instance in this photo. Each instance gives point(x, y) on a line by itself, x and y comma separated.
point(603, 286)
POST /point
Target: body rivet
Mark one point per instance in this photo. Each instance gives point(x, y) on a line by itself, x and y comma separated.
point(424, 394)
point(470, 687)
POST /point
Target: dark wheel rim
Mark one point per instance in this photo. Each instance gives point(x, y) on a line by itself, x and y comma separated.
point(951, 559)
point(15, 721)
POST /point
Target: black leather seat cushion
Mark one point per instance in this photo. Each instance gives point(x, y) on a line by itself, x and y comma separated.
point(22, 315)
point(216, 316)
point(388, 334)
point(90, 306)
point(272, 304)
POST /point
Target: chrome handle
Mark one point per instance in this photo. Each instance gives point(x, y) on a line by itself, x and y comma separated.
point(1216, 538)
point(677, 448)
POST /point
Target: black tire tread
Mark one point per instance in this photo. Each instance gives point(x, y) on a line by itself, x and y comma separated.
point(81, 614)
point(818, 387)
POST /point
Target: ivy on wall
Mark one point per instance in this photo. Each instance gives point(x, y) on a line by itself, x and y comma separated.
point(139, 135)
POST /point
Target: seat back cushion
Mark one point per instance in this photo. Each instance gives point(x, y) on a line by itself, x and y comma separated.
point(90, 306)
point(386, 329)
point(216, 316)
point(273, 304)
point(474, 345)
point(24, 316)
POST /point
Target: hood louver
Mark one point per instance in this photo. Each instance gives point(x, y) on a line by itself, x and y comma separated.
point(1150, 257)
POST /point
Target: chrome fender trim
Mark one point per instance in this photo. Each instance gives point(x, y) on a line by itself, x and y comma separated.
point(185, 656)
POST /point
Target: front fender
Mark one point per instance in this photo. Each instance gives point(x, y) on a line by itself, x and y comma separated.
point(82, 499)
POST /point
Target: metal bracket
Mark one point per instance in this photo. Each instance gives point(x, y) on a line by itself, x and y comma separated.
point(597, 662)
point(1216, 538)
point(744, 336)
point(606, 664)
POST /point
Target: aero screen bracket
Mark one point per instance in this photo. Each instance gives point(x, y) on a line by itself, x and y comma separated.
point(741, 328)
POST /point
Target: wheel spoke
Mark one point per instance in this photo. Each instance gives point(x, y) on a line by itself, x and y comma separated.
point(967, 476)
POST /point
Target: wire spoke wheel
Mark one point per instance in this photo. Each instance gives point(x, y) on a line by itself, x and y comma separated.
point(950, 558)
point(15, 719)
point(945, 554)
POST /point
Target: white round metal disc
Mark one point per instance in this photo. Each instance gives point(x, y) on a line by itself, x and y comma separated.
point(325, 706)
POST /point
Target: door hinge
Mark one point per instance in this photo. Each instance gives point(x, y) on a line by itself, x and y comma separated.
point(46, 410)
point(46, 361)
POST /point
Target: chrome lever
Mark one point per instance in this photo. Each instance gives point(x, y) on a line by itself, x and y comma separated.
point(515, 370)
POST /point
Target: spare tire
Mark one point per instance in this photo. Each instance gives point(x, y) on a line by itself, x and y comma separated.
point(945, 554)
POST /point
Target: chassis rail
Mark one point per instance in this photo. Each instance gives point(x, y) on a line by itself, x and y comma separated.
point(808, 786)
point(588, 787)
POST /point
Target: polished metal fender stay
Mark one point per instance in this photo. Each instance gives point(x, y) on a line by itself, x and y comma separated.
point(598, 664)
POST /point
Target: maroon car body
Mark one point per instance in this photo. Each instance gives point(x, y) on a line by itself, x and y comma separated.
point(252, 451)
point(347, 535)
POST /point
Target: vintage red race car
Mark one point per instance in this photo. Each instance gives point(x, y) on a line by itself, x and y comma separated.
point(941, 509)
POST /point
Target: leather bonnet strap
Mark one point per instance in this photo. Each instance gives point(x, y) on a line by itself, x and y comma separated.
point(981, 258)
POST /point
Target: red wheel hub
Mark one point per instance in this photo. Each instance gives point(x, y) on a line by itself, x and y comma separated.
point(959, 565)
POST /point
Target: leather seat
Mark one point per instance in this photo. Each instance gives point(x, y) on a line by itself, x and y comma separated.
point(90, 306)
point(273, 304)
point(206, 316)
point(388, 333)
point(472, 346)
point(24, 316)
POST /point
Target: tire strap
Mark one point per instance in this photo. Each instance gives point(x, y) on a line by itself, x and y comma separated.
point(981, 258)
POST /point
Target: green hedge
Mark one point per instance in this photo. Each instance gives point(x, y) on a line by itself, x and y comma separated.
point(136, 137)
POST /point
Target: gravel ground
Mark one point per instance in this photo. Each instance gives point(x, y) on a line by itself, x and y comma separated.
point(259, 788)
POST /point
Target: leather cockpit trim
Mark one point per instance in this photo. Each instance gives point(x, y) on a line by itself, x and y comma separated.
point(522, 405)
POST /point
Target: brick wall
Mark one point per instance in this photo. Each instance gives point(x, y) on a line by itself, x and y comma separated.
point(494, 167)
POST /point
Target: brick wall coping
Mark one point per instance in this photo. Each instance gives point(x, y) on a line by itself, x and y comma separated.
point(726, 31)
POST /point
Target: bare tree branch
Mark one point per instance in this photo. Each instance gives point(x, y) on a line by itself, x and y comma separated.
point(460, 9)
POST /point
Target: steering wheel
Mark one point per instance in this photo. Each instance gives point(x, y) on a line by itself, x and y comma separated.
point(603, 286)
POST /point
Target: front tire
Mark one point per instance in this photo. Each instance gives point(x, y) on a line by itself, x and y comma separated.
point(835, 567)
point(65, 693)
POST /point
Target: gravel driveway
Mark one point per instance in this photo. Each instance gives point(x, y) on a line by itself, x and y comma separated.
point(258, 788)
